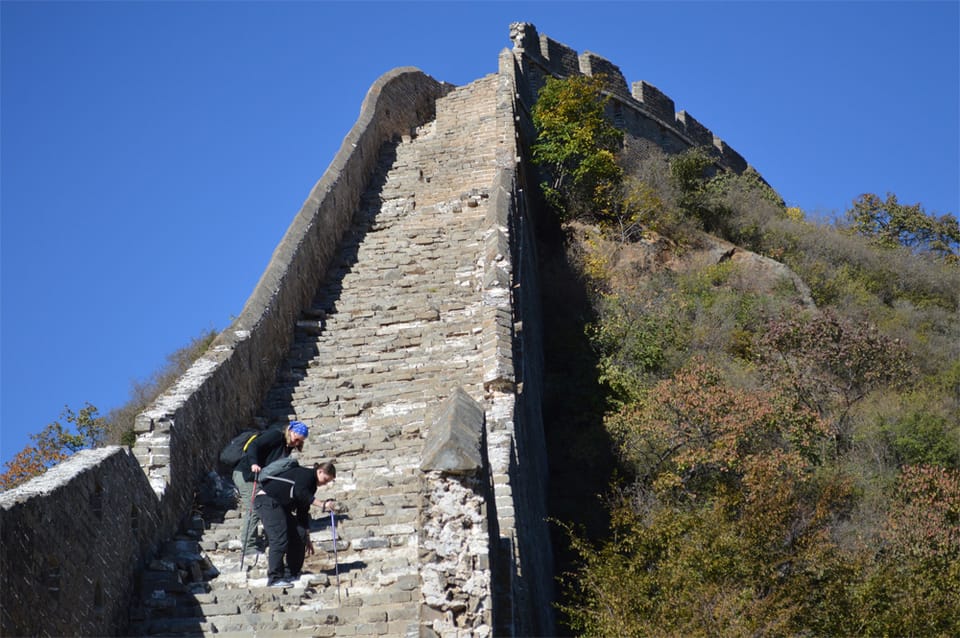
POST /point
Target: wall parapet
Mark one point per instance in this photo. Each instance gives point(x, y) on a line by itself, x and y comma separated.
point(523, 561)
point(180, 434)
point(541, 56)
point(70, 540)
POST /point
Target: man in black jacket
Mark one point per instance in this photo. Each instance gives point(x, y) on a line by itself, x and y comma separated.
point(266, 448)
point(283, 501)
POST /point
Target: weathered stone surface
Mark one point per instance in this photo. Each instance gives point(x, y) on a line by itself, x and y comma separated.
point(453, 442)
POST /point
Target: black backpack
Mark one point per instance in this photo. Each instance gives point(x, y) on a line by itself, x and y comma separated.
point(237, 447)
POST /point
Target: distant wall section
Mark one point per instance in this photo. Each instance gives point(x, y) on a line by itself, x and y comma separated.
point(642, 111)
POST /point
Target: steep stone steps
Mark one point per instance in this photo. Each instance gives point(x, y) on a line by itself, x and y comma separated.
point(395, 328)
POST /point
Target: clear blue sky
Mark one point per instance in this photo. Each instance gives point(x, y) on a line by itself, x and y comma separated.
point(153, 154)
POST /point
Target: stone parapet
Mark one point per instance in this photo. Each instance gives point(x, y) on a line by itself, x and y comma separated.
point(643, 112)
point(654, 100)
point(613, 81)
point(70, 541)
point(221, 391)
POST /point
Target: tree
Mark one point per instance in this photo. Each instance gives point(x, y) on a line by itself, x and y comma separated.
point(726, 530)
point(577, 146)
point(831, 364)
point(55, 443)
point(890, 224)
point(694, 432)
point(692, 175)
point(914, 586)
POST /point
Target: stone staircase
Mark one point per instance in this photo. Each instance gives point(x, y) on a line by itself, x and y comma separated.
point(395, 328)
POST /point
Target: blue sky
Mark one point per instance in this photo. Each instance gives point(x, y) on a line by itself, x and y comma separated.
point(152, 154)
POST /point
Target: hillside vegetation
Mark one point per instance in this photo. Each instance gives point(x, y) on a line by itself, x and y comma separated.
point(769, 406)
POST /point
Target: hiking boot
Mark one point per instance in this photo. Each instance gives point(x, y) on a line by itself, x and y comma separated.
point(280, 582)
point(295, 578)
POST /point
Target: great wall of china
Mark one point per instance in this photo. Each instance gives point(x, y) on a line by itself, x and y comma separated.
point(399, 317)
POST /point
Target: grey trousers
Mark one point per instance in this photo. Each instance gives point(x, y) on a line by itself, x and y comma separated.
point(248, 525)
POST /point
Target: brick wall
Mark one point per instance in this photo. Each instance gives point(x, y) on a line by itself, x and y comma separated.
point(71, 540)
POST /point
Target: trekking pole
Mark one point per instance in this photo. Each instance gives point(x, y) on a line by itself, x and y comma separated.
point(336, 559)
point(246, 529)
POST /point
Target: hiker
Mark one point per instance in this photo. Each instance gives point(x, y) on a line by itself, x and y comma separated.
point(283, 501)
point(267, 447)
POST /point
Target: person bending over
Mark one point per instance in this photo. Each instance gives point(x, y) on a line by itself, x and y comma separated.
point(283, 502)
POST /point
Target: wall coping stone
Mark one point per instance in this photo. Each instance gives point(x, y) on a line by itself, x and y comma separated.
point(454, 437)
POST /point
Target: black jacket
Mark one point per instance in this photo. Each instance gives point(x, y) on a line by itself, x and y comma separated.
point(263, 450)
point(294, 489)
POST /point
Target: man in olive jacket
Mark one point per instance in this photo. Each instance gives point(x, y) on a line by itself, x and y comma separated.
point(283, 502)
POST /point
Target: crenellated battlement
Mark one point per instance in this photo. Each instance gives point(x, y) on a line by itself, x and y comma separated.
point(641, 110)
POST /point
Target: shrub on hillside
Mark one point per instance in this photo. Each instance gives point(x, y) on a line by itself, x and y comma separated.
point(143, 393)
point(724, 531)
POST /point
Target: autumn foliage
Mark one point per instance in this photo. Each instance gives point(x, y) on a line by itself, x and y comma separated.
point(784, 468)
point(33, 460)
point(725, 520)
point(732, 526)
point(55, 443)
point(830, 364)
point(576, 145)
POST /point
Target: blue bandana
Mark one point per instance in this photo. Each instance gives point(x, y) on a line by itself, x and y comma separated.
point(299, 428)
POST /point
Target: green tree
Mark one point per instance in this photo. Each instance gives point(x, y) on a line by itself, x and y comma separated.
point(690, 174)
point(631, 344)
point(55, 443)
point(577, 146)
point(890, 223)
